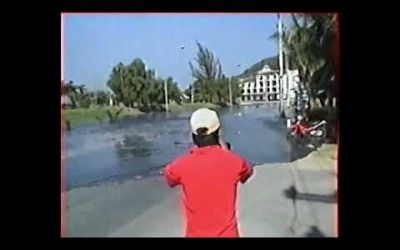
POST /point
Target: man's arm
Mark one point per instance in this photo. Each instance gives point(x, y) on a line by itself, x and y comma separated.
point(171, 175)
point(246, 172)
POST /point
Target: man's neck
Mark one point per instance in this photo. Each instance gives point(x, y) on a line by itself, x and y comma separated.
point(207, 145)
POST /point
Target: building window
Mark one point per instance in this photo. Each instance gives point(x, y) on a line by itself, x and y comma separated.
point(261, 84)
point(248, 91)
point(274, 89)
point(261, 90)
point(242, 91)
point(261, 78)
point(248, 98)
point(268, 84)
point(254, 90)
point(273, 82)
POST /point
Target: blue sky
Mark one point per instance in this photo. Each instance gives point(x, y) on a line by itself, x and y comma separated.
point(93, 44)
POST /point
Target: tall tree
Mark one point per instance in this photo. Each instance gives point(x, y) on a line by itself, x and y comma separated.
point(137, 86)
point(207, 73)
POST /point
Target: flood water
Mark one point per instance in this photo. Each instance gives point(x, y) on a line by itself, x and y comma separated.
point(139, 147)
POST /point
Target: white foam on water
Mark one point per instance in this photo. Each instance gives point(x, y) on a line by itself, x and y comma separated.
point(84, 143)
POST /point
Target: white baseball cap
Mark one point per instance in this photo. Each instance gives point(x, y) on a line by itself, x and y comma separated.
point(204, 118)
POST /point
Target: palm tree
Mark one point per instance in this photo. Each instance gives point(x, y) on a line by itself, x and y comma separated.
point(324, 27)
point(207, 72)
point(309, 46)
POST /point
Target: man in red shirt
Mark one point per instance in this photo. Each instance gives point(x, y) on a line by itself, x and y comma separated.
point(209, 175)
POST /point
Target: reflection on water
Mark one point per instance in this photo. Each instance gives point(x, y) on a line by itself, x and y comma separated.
point(141, 146)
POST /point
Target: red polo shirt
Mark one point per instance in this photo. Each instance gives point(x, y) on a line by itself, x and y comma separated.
point(209, 177)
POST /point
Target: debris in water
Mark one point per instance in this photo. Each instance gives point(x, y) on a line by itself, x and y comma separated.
point(138, 177)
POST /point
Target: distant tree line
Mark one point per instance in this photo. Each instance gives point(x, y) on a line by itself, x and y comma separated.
point(136, 86)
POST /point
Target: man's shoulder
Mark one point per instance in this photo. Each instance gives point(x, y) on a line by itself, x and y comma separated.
point(227, 154)
point(183, 159)
point(233, 156)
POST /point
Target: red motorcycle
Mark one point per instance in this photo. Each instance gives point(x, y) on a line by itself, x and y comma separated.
point(299, 134)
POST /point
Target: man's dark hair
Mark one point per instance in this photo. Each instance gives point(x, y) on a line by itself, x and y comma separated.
point(203, 140)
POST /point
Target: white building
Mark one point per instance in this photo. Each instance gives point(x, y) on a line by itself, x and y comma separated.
point(291, 86)
point(264, 86)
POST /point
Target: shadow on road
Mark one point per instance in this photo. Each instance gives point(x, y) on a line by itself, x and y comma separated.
point(314, 232)
point(293, 194)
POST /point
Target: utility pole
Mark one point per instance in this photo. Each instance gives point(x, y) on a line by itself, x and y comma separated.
point(230, 92)
point(237, 79)
point(280, 64)
point(166, 95)
point(192, 92)
point(288, 81)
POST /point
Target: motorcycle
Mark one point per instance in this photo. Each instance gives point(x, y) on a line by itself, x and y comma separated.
point(319, 130)
point(316, 136)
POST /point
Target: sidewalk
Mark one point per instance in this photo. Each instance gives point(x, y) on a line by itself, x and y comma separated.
point(315, 181)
